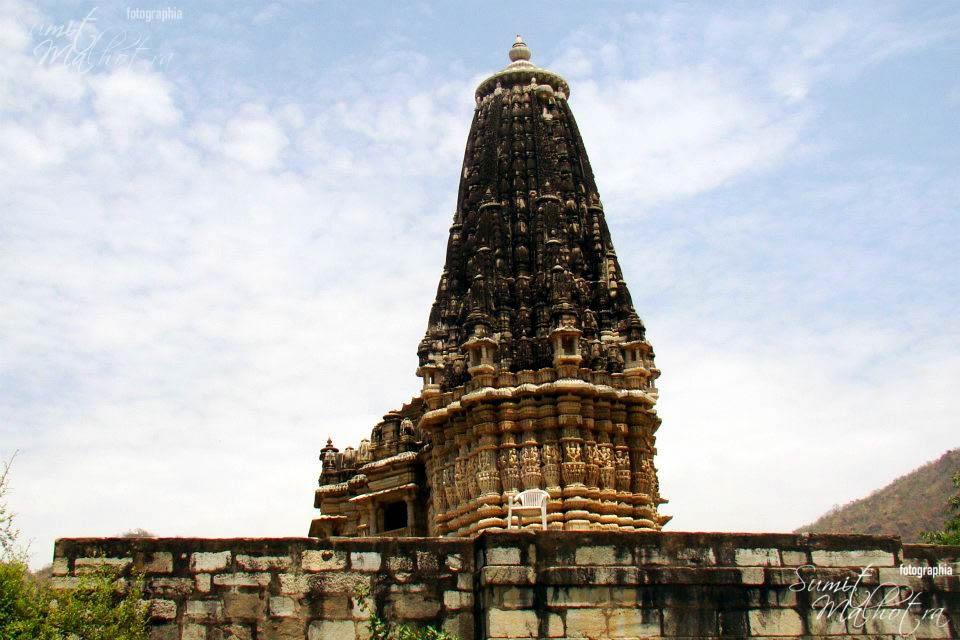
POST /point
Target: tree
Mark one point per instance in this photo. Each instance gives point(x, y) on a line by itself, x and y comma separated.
point(951, 531)
point(9, 534)
point(137, 533)
point(102, 606)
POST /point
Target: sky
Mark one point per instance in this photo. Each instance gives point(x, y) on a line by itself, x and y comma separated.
point(221, 233)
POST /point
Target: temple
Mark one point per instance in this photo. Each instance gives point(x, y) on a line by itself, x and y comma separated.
point(536, 369)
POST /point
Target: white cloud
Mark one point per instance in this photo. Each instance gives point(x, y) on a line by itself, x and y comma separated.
point(678, 133)
point(254, 138)
point(129, 101)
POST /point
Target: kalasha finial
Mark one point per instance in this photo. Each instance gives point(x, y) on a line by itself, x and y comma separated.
point(519, 50)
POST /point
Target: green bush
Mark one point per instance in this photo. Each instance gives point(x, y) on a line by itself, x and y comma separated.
point(951, 531)
point(102, 606)
point(380, 629)
point(24, 603)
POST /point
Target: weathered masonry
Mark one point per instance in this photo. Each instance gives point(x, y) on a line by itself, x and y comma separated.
point(536, 585)
point(537, 373)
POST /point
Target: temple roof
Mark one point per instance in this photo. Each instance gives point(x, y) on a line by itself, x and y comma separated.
point(521, 71)
point(529, 249)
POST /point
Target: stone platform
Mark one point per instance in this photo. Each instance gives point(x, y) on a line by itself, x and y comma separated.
point(529, 584)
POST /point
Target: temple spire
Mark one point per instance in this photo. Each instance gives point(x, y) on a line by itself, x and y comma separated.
point(519, 51)
point(530, 251)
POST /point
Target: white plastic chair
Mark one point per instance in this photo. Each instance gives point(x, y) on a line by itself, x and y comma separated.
point(529, 501)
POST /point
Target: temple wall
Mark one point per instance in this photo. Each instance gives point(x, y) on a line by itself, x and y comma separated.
point(533, 585)
point(586, 438)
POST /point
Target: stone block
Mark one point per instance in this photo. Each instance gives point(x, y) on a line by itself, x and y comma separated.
point(263, 563)
point(336, 582)
point(516, 598)
point(427, 562)
point(160, 609)
point(555, 627)
point(854, 558)
point(624, 596)
point(282, 607)
point(578, 597)
point(454, 562)
point(759, 557)
point(459, 625)
point(507, 575)
point(170, 587)
point(457, 599)
point(586, 623)
point(281, 629)
point(794, 558)
point(336, 607)
point(512, 624)
point(209, 609)
point(823, 623)
point(203, 582)
point(751, 575)
point(696, 556)
point(64, 582)
point(91, 565)
point(358, 612)
point(240, 632)
point(204, 562)
point(775, 622)
point(690, 622)
point(194, 632)
point(464, 581)
point(503, 556)
point(632, 623)
point(242, 606)
point(611, 575)
point(242, 579)
point(650, 556)
point(60, 567)
point(164, 632)
point(324, 560)
point(365, 561)
point(331, 630)
point(293, 583)
point(771, 597)
point(158, 562)
point(892, 576)
point(397, 564)
point(598, 555)
point(906, 624)
point(414, 606)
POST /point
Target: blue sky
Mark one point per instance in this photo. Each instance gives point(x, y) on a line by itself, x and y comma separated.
point(221, 252)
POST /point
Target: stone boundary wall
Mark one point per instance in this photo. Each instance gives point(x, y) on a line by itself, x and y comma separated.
point(531, 584)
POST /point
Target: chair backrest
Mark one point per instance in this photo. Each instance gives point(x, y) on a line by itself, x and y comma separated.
point(532, 497)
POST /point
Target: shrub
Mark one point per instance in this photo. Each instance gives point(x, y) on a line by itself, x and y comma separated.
point(951, 531)
point(102, 606)
point(380, 629)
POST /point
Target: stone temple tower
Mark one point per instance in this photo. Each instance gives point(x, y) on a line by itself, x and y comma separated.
point(536, 369)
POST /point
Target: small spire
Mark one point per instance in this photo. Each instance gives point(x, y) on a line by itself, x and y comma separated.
point(519, 50)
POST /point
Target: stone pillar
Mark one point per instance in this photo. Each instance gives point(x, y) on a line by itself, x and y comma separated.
point(411, 515)
point(372, 528)
point(532, 473)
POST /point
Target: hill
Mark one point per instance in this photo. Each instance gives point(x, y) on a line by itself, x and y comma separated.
point(912, 503)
